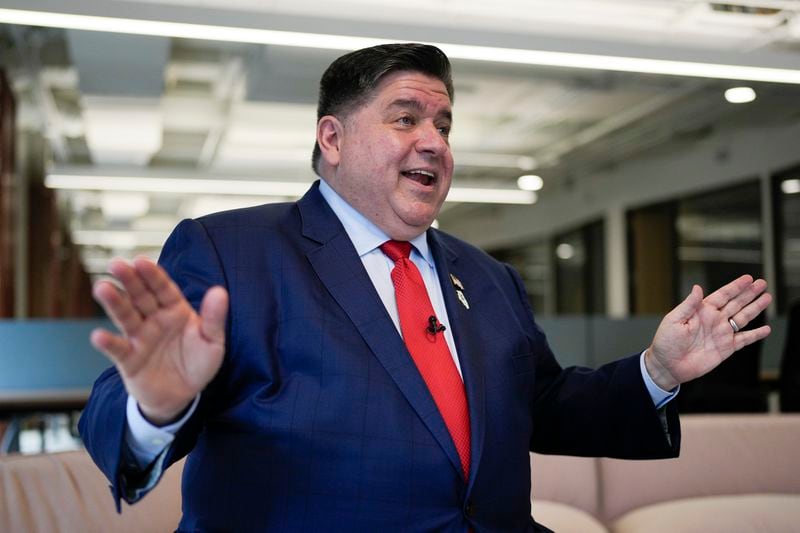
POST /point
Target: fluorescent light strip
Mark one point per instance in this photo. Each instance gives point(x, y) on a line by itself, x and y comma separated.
point(480, 195)
point(490, 160)
point(622, 64)
point(183, 30)
point(120, 239)
point(345, 42)
point(241, 187)
point(176, 185)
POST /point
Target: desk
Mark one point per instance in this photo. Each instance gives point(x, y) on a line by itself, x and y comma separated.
point(38, 400)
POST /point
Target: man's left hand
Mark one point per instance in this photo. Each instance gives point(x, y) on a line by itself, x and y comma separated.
point(696, 336)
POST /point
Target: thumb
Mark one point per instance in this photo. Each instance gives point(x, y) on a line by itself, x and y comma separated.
point(213, 312)
point(687, 308)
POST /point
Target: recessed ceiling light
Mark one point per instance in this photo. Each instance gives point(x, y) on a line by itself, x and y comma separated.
point(740, 95)
point(565, 251)
point(530, 182)
point(790, 186)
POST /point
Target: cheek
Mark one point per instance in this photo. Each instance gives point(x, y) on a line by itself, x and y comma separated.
point(392, 147)
point(448, 160)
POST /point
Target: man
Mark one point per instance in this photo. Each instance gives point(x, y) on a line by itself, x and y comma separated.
point(357, 385)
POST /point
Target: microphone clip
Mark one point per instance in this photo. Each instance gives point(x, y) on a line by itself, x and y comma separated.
point(434, 326)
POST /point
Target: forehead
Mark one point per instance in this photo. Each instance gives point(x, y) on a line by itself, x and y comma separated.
point(405, 85)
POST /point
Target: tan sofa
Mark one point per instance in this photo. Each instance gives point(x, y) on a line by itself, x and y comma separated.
point(67, 493)
point(736, 474)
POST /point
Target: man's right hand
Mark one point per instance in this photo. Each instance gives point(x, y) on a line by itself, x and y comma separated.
point(166, 353)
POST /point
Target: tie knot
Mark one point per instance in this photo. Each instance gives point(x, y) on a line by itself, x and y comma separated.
point(396, 250)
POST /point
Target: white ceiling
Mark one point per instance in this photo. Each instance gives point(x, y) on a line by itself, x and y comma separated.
point(120, 104)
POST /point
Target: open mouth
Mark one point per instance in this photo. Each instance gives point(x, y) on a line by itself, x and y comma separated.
point(423, 177)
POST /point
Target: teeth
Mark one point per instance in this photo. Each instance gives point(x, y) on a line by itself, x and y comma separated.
point(424, 177)
point(423, 172)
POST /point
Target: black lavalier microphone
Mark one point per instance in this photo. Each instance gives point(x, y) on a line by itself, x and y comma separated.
point(434, 326)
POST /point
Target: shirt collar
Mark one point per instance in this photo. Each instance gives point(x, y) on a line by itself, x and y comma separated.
point(364, 234)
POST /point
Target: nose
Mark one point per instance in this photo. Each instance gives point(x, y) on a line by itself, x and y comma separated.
point(430, 140)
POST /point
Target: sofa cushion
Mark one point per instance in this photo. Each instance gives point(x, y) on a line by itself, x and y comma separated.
point(747, 513)
point(569, 480)
point(720, 455)
point(66, 492)
point(564, 518)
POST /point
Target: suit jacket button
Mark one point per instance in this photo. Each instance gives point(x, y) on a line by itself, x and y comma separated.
point(469, 509)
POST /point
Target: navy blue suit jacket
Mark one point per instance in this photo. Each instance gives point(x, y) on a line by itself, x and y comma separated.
point(319, 420)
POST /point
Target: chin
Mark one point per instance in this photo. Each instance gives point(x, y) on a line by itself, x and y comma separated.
point(417, 217)
point(408, 230)
point(418, 222)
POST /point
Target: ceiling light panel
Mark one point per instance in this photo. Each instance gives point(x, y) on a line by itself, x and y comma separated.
point(455, 51)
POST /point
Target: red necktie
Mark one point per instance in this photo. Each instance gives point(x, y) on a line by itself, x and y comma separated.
point(425, 341)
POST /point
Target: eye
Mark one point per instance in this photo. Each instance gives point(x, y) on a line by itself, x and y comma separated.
point(406, 120)
point(444, 131)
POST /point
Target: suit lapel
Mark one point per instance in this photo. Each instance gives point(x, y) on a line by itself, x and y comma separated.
point(336, 263)
point(465, 325)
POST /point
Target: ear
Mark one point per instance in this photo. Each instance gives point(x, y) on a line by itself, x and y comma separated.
point(329, 138)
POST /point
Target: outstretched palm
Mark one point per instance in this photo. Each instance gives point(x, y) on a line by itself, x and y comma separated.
point(166, 353)
point(696, 336)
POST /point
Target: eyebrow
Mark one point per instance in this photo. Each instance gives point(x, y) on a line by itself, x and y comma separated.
point(417, 106)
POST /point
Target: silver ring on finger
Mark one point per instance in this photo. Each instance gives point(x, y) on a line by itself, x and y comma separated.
point(734, 325)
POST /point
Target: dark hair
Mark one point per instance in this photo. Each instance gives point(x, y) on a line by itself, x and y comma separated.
point(350, 81)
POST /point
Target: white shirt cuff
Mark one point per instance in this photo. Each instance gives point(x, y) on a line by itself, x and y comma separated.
point(144, 439)
point(660, 396)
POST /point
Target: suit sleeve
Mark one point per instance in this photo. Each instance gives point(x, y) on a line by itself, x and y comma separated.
point(605, 412)
point(190, 258)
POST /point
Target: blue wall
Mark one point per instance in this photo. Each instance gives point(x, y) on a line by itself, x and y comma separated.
point(56, 354)
point(49, 354)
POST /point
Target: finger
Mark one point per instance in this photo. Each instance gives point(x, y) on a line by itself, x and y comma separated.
point(158, 281)
point(688, 307)
point(141, 296)
point(741, 300)
point(723, 295)
point(752, 310)
point(117, 306)
point(213, 312)
point(113, 346)
point(744, 338)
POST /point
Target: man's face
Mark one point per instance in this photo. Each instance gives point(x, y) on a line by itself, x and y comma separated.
point(395, 165)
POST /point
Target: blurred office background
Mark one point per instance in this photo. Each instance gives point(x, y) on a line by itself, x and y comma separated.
point(658, 141)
